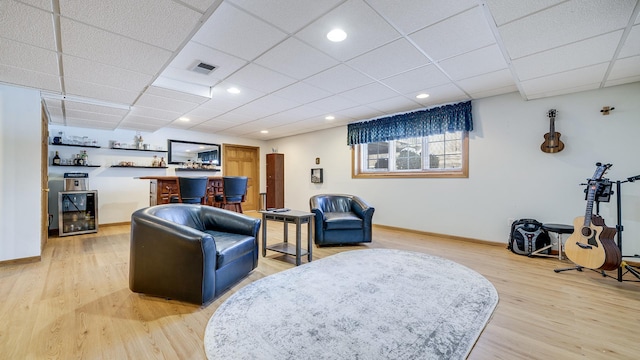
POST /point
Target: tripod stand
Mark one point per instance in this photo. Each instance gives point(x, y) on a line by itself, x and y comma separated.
point(603, 193)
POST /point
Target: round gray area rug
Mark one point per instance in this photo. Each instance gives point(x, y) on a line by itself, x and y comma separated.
point(362, 304)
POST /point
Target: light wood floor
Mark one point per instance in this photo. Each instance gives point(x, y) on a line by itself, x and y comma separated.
point(76, 303)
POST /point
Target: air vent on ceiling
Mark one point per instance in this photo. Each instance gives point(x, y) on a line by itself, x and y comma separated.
point(203, 68)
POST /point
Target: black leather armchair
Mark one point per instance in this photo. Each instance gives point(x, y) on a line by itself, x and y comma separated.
point(341, 219)
point(190, 252)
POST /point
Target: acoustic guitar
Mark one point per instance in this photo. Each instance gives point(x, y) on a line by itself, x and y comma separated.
point(552, 143)
point(591, 245)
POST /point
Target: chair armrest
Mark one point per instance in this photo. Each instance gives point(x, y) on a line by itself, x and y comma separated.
point(228, 221)
point(362, 209)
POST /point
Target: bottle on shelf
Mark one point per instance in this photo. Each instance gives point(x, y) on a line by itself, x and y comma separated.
point(162, 162)
point(56, 159)
point(85, 158)
point(155, 161)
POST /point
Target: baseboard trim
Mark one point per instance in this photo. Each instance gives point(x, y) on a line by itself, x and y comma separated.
point(446, 236)
point(462, 238)
point(27, 260)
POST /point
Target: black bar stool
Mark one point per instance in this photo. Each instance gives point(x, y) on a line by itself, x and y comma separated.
point(558, 229)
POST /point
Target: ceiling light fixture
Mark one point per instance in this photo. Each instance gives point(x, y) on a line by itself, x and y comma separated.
point(330, 117)
point(233, 90)
point(184, 119)
point(336, 35)
point(422, 96)
point(264, 131)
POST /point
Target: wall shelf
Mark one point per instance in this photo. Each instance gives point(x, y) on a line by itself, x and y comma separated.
point(77, 145)
point(80, 166)
point(185, 169)
point(147, 150)
point(139, 167)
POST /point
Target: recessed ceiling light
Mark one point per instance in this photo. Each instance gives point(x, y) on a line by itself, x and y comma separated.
point(422, 96)
point(184, 119)
point(233, 90)
point(330, 117)
point(336, 35)
point(264, 131)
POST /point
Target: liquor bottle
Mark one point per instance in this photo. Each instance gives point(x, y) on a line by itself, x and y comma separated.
point(56, 159)
point(85, 158)
point(162, 163)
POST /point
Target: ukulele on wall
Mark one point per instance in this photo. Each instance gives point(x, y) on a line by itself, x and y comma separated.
point(552, 143)
point(591, 245)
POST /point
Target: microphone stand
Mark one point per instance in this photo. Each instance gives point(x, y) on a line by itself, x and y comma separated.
point(619, 229)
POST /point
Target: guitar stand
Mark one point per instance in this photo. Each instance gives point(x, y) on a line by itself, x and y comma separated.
point(603, 195)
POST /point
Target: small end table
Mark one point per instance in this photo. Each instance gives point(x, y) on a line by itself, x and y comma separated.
point(286, 217)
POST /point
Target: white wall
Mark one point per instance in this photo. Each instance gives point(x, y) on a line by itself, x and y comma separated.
point(119, 192)
point(20, 202)
point(509, 176)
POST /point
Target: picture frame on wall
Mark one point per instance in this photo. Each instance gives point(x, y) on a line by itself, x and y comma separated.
point(316, 176)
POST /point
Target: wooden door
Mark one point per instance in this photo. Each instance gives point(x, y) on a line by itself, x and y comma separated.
point(239, 160)
point(44, 179)
point(275, 181)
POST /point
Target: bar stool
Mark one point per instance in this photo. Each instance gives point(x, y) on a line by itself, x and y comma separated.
point(558, 229)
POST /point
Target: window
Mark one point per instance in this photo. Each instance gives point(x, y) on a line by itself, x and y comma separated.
point(443, 155)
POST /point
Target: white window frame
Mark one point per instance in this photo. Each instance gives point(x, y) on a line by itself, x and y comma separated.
point(359, 170)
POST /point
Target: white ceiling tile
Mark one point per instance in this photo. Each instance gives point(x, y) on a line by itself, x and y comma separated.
point(369, 93)
point(266, 106)
point(132, 118)
point(106, 118)
point(391, 59)
point(296, 59)
point(29, 57)
point(504, 11)
point(483, 93)
point(163, 23)
point(219, 92)
point(289, 15)
point(365, 29)
point(412, 15)
point(93, 108)
point(154, 113)
point(140, 126)
point(164, 103)
point(207, 111)
point(234, 117)
point(200, 5)
point(260, 78)
point(338, 79)
point(494, 80)
point(456, 35)
point(91, 71)
point(621, 81)
point(84, 123)
point(100, 46)
point(625, 68)
point(333, 104)
point(26, 24)
point(177, 95)
point(358, 113)
point(477, 62)
point(235, 32)
point(417, 80)
point(443, 94)
point(194, 53)
point(563, 24)
point(631, 46)
point(38, 80)
point(100, 92)
point(302, 93)
point(42, 4)
point(395, 105)
point(569, 57)
point(567, 80)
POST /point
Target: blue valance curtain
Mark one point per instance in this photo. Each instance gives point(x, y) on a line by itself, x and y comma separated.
point(448, 118)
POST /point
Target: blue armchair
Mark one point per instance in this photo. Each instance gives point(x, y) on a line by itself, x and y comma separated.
point(341, 219)
point(190, 252)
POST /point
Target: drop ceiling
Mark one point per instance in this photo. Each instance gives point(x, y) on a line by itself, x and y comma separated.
point(122, 64)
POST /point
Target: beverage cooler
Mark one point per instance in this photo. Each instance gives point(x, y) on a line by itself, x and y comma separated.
point(77, 207)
